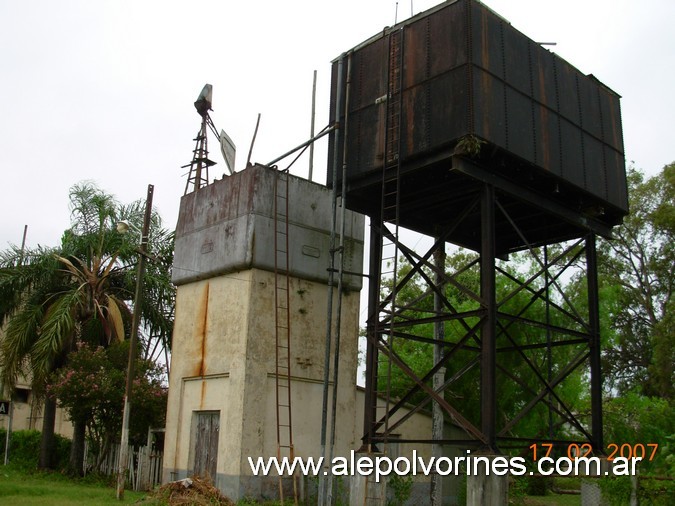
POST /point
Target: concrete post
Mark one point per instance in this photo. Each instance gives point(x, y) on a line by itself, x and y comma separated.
point(591, 494)
point(364, 490)
point(484, 487)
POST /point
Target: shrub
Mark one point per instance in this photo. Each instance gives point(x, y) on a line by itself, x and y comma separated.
point(400, 487)
point(537, 485)
point(651, 492)
point(24, 449)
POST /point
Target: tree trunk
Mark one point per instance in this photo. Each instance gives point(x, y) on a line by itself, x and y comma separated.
point(47, 443)
point(76, 462)
point(103, 453)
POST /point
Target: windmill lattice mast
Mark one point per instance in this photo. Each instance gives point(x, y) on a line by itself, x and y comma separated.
point(199, 166)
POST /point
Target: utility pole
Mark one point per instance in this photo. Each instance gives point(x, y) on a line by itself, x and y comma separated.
point(135, 322)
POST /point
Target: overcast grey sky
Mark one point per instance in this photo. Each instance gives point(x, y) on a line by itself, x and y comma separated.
point(103, 90)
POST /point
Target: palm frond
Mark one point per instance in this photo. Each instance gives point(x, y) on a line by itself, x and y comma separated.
point(115, 318)
point(20, 334)
point(91, 209)
point(38, 274)
point(58, 329)
point(78, 273)
point(104, 275)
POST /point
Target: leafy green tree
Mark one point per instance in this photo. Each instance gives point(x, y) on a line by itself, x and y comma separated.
point(53, 298)
point(639, 421)
point(638, 273)
point(91, 388)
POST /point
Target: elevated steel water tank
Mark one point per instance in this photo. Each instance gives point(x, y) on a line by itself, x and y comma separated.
point(468, 78)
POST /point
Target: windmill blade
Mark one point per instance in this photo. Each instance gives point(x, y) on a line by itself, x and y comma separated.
point(229, 150)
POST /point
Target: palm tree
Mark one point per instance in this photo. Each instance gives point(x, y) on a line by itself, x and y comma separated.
point(81, 291)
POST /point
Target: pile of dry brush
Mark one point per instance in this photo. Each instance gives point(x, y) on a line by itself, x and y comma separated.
point(194, 491)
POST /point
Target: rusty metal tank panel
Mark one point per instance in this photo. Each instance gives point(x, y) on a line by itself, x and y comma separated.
point(468, 75)
point(228, 226)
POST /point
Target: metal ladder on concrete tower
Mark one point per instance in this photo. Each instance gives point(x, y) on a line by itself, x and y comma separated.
point(389, 213)
point(282, 326)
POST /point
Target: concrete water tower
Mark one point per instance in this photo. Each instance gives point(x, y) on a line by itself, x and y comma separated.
point(250, 265)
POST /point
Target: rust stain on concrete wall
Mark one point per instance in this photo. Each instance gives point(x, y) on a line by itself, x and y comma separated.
point(201, 323)
point(202, 394)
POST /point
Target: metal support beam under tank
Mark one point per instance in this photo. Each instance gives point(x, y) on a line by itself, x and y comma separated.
point(578, 219)
point(493, 340)
point(488, 334)
point(595, 366)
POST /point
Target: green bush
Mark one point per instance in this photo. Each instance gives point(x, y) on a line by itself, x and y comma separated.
point(651, 492)
point(400, 488)
point(567, 483)
point(24, 449)
point(517, 490)
point(63, 445)
point(537, 485)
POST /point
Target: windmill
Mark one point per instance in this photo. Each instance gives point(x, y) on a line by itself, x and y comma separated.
point(198, 175)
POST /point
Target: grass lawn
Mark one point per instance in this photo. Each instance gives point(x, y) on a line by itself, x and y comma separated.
point(18, 488)
point(554, 500)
